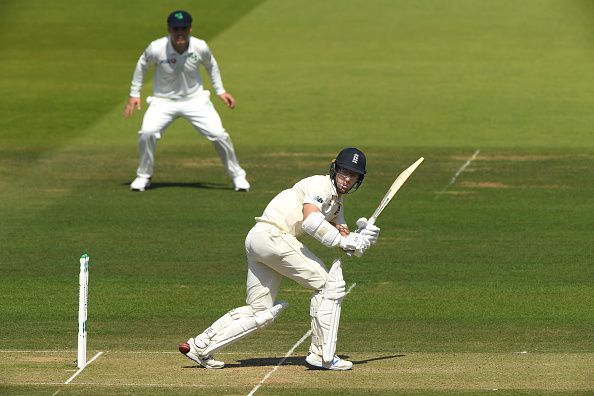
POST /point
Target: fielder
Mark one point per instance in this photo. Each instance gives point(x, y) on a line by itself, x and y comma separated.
point(179, 92)
point(313, 206)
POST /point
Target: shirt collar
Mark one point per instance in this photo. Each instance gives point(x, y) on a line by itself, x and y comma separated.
point(333, 187)
point(172, 49)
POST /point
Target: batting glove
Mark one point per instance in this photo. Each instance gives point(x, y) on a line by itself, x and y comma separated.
point(371, 231)
point(355, 241)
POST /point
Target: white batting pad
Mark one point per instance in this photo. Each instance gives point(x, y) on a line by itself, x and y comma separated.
point(238, 323)
point(328, 312)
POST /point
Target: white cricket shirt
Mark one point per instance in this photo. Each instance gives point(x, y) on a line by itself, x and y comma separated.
point(286, 209)
point(176, 75)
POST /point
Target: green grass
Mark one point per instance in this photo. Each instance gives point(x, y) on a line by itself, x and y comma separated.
point(498, 262)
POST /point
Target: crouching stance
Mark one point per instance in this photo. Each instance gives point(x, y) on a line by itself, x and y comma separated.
point(179, 92)
point(313, 206)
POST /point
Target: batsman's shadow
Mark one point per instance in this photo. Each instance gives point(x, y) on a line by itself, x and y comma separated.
point(211, 186)
point(293, 361)
point(268, 361)
point(365, 361)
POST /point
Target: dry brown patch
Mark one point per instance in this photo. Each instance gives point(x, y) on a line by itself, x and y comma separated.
point(509, 157)
point(523, 158)
point(284, 154)
point(453, 192)
point(514, 157)
point(198, 162)
point(545, 186)
point(42, 359)
point(470, 184)
point(56, 192)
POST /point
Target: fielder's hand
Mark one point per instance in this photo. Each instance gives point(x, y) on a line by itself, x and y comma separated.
point(228, 99)
point(133, 103)
point(371, 231)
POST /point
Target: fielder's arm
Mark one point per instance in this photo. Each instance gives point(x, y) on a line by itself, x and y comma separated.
point(134, 100)
point(212, 68)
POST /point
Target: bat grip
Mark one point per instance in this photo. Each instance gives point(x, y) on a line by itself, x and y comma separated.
point(371, 221)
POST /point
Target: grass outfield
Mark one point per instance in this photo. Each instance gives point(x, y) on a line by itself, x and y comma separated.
point(481, 280)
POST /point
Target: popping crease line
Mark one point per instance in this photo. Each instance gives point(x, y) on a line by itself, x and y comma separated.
point(280, 363)
point(476, 153)
point(115, 352)
point(82, 368)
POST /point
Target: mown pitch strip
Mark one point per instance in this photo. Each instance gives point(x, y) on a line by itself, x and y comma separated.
point(146, 372)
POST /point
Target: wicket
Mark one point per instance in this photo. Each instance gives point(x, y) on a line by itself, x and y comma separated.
point(83, 299)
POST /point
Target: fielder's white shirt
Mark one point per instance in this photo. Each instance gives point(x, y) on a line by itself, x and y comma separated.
point(176, 75)
point(286, 209)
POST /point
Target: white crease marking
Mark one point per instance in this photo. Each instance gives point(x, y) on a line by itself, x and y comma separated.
point(476, 153)
point(82, 368)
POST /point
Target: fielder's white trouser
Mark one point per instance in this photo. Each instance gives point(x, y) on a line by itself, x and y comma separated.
point(200, 112)
point(272, 254)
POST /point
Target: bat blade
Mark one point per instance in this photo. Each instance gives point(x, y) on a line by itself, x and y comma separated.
point(400, 180)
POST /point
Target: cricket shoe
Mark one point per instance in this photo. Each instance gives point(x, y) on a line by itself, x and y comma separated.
point(240, 183)
point(190, 350)
point(140, 183)
point(315, 360)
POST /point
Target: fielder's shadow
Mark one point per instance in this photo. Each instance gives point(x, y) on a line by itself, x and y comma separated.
point(291, 361)
point(210, 186)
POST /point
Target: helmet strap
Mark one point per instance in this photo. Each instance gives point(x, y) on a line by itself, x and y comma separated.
point(334, 172)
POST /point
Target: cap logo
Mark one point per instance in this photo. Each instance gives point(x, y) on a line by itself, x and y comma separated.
point(179, 15)
point(355, 158)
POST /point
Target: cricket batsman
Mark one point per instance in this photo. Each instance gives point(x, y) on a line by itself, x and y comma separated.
point(179, 92)
point(312, 206)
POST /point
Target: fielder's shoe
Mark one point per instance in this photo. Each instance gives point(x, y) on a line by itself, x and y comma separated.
point(205, 361)
point(140, 183)
point(337, 363)
point(240, 183)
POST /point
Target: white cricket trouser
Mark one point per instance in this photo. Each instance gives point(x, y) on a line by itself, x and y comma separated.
point(273, 253)
point(200, 112)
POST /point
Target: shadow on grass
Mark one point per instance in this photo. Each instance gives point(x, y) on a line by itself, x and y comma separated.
point(377, 358)
point(292, 361)
point(212, 186)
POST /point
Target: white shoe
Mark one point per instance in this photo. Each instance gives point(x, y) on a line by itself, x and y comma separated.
point(140, 183)
point(337, 363)
point(241, 184)
point(205, 361)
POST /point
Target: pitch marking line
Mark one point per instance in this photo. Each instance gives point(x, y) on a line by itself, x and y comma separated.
point(303, 338)
point(82, 368)
point(476, 153)
point(116, 352)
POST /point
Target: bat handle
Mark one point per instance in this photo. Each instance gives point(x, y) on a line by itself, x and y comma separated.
point(371, 221)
